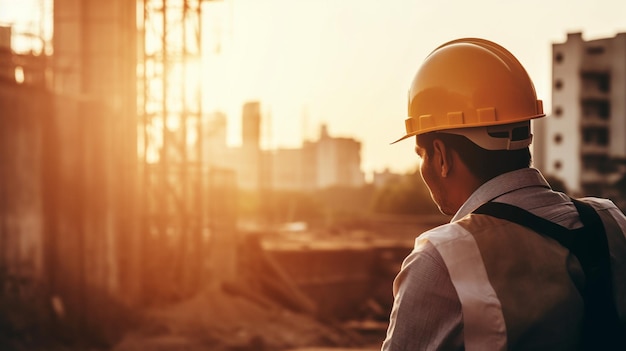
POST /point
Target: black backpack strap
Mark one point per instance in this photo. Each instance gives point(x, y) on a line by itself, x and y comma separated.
point(524, 218)
point(602, 324)
point(601, 329)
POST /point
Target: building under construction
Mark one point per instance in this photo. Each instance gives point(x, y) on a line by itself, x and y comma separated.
point(106, 204)
point(104, 199)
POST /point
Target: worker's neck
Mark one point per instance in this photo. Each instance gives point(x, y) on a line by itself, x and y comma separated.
point(462, 184)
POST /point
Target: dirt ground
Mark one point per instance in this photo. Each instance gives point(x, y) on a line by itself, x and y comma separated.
point(217, 321)
point(244, 317)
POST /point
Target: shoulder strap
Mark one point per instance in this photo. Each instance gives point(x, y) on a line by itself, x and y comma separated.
point(602, 322)
point(601, 329)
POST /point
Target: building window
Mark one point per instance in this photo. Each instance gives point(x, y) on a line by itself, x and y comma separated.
point(558, 84)
point(598, 163)
point(596, 108)
point(595, 50)
point(596, 136)
point(604, 109)
point(602, 137)
point(558, 165)
point(558, 111)
point(604, 83)
point(596, 82)
point(558, 58)
point(558, 138)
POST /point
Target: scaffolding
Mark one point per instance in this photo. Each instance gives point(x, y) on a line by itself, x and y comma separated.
point(179, 202)
point(170, 113)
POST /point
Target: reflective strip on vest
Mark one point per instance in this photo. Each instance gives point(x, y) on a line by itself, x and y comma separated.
point(483, 323)
point(517, 288)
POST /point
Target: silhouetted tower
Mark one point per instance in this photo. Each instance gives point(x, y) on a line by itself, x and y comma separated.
point(249, 174)
point(174, 204)
point(251, 125)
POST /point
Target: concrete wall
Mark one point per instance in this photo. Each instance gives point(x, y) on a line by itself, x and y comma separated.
point(22, 222)
point(94, 245)
point(562, 158)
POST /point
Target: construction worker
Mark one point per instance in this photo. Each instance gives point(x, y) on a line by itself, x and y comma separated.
point(519, 266)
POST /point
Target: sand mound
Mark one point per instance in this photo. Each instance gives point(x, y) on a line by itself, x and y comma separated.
point(218, 321)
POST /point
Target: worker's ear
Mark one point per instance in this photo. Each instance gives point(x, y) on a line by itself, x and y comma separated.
point(442, 157)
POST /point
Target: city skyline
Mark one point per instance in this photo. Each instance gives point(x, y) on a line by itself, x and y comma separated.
point(349, 65)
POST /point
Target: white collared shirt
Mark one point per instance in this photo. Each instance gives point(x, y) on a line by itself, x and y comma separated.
point(427, 313)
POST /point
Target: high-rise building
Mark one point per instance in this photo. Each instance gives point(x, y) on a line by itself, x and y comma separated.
point(583, 142)
point(327, 162)
point(213, 140)
point(249, 173)
point(251, 124)
point(338, 161)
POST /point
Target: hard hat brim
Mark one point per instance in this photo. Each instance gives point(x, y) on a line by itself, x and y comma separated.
point(480, 135)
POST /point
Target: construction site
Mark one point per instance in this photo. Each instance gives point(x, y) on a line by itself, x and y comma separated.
point(117, 234)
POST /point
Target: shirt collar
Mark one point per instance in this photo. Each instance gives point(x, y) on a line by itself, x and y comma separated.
point(500, 185)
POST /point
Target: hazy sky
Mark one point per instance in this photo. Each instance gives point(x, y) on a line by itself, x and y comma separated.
point(349, 63)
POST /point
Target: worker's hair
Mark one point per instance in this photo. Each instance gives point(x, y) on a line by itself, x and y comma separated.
point(484, 164)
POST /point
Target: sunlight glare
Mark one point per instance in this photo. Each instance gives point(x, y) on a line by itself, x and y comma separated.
point(19, 74)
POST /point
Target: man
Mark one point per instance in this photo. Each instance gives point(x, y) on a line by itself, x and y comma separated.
point(482, 282)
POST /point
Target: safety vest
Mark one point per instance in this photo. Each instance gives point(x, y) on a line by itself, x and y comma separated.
point(517, 289)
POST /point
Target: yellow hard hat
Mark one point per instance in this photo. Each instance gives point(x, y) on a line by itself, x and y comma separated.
point(468, 83)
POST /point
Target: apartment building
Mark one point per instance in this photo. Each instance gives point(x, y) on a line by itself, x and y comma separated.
point(583, 141)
